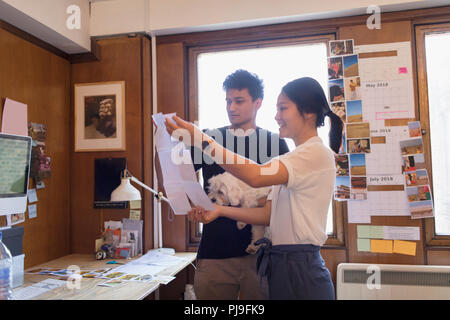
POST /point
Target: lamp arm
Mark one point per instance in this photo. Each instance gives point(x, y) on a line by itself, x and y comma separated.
point(158, 195)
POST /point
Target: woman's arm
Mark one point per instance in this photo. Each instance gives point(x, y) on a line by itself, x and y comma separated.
point(255, 175)
point(257, 216)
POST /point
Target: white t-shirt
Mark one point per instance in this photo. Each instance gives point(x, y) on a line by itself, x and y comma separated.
point(299, 208)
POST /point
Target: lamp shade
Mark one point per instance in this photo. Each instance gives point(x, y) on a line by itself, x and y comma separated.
point(125, 192)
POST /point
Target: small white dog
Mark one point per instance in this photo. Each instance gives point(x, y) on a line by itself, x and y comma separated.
point(226, 189)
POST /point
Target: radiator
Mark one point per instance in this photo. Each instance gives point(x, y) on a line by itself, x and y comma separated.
point(360, 281)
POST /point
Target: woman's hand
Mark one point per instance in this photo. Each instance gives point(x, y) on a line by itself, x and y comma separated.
point(192, 135)
point(200, 214)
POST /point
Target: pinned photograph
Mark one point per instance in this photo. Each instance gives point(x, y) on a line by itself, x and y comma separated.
point(358, 164)
point(411, 147)
point(349, 46)
point(335, 68)
point(341, 161)
point(342, 188)
point(421, 209)
point(351, 68)
point(416, 178)
point(414, 129)
point(352, 88)
point(421, 193)
point(339, 109)
point(358, 130)
point(358, 145)
point(358, 188)
point(341, 47)
point(354, 111)
point(17, 218)
point(336, 88)
point(413, 163)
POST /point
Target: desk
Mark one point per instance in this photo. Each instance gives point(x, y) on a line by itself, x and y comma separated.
point(89, 287)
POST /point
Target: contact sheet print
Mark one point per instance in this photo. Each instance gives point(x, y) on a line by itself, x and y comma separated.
point(380, 169)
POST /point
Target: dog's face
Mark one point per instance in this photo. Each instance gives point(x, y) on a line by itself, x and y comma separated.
point(224, 191)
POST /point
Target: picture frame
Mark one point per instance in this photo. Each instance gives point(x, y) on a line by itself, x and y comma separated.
point(99, 116)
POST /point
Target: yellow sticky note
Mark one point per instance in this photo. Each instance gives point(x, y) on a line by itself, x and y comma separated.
point(405, 247)
point(381, 246)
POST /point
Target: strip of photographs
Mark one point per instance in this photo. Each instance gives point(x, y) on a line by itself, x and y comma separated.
point(417, 183)
point(344, 85)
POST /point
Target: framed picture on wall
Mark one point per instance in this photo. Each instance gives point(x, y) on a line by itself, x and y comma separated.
point(100, 116)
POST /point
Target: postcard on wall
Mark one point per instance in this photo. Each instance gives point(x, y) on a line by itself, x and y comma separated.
point(17, 218)
point(411, 147)
point(336, 90)
point(341, 47)
point(351, 66)
point(352, 87)
point(420, 202)
point(358, 188)
point(340, 110)
point(416, 178)
point(413, 162)
point(414, 129)
point(358, 145)
point(342, 188)
point(335, 68)
point(358, 164)
point(341, 161)
point(354, 111)
point(358, 130)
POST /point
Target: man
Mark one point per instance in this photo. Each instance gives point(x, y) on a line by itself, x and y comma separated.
point(224, 269)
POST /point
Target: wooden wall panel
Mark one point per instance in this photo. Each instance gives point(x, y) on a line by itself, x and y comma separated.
point(171, 98)
point(439, 257)
point(121, 59)
point(40, 79)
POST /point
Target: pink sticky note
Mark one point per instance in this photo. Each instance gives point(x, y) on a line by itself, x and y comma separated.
point(402, 70)
point(15, 120)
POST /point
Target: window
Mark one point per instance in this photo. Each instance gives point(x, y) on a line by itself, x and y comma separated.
point(433, 42)
point(276, 63)
point(438, 79)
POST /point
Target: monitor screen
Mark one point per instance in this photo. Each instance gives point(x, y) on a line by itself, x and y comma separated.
point(15, 152)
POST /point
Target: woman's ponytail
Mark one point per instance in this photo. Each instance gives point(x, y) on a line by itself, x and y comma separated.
point(335, 134)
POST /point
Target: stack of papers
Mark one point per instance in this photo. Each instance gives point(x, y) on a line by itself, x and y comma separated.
point(37, 289)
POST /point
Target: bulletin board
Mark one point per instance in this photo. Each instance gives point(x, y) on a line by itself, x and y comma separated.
point(381, 169)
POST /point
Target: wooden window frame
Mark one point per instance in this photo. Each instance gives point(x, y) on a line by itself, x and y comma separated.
point(431, 238)
point(337, 238)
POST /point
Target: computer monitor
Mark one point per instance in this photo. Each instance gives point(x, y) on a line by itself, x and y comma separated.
point(15, 154)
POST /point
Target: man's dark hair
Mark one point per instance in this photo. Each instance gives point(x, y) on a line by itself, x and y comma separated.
point(242, 79)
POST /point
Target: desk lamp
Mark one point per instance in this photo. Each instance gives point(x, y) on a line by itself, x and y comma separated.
point(126, 192)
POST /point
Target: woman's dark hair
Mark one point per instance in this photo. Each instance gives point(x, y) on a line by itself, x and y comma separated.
point(309, 97)
point(242, 79)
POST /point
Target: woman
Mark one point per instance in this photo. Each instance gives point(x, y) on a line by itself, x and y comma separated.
point(297, 207)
